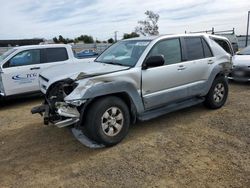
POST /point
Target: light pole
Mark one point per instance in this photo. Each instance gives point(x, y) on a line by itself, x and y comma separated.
point(116, 36)
point(247, 27)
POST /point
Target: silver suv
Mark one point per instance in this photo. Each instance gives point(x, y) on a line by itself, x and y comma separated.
point(135, 79)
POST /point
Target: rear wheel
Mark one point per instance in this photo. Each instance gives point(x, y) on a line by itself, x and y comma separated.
point(217, 94)
point(107, 120)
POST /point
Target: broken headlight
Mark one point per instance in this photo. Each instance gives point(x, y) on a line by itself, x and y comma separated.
point(59, 90)
point(76, 102)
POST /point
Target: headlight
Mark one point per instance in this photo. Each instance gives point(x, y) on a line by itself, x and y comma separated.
point(78, 102)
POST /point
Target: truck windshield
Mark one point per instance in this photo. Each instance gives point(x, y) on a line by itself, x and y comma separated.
point(125, 53)
point(6, 54)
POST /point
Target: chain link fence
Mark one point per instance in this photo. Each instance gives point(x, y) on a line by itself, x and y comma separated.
point(99, 47)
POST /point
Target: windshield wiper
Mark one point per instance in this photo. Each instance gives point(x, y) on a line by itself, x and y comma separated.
point(115, 63)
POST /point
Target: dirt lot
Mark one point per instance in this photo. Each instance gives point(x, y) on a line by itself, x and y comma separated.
point(195, 147)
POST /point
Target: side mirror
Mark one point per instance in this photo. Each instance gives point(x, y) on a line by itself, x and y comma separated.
point(153, 61)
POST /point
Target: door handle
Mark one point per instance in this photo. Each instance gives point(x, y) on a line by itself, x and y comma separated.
point(34, 68)
point(210, 61)
point(181, 67)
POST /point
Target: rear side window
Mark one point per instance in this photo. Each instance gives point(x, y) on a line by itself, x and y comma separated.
point(170, 49)
point(224, 44)
point(206, 49)
point(56, 54)
point(194, 48)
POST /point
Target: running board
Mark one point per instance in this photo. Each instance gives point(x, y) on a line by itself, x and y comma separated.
point(81, 137)
point(169, 108)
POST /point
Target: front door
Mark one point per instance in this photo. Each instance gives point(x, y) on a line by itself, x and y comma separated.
point(166, 83)
point(20, 73)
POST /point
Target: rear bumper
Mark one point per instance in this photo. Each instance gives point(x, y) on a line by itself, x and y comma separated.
point(239, 79)
point(64, 116)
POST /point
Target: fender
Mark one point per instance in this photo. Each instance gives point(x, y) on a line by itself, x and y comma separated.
point(113, 87)
point(217, 70)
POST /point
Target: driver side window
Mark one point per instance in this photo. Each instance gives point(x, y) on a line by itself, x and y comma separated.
point(170, 49)
point(28, 57)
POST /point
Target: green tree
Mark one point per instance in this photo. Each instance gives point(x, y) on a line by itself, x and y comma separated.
point(149, 25)
point(130, 35)
point(111, 40)
point(55, 40)
point(61, 39)
point(97, 41)
point(86, 39)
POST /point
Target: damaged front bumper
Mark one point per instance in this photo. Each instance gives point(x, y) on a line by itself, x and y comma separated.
point(70, 117)
point(62, 117)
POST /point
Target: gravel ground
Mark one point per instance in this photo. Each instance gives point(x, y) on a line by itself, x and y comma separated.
point(195, 147)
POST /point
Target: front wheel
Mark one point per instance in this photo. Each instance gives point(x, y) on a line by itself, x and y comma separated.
point(217, 94)
point(107, 120)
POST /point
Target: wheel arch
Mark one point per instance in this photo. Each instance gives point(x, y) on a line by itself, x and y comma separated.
point(121, 95)
point(218, 71)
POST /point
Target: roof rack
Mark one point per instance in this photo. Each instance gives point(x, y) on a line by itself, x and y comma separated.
point(213, 32)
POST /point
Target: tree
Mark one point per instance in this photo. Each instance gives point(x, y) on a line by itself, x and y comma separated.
point(67, 40)
point(61, 39)
point(55, 40)
point(97, 41)
point(148, 26)
point(131, 35)
point(86, 39)
point(111, 40)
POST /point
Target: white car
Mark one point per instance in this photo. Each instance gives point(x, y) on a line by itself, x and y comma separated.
point(20, 67)
point(241, 66)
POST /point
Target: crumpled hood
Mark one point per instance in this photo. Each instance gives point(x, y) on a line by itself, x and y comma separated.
point(241, 60)
point(72, 70)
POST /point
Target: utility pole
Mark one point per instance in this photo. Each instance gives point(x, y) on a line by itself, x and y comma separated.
point(247, 28)
point(116, 36)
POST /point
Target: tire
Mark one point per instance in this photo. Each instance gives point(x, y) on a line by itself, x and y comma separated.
point(107, 120)
point(217, 94)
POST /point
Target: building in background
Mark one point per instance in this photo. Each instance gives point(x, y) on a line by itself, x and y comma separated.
point(21, 42)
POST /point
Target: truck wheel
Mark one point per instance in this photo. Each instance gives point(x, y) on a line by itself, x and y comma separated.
point(108, 120)
point(217, 94)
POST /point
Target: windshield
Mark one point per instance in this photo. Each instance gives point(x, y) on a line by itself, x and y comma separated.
point(125, 53)
point(245, 51)
point(6, 54)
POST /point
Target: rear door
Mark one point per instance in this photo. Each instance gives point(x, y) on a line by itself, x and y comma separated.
point(52, 57)
point(199, 59)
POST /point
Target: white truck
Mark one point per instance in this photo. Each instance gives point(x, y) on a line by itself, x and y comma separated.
point(20, 66)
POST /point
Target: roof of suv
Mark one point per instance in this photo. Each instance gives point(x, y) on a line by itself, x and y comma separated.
point(176, 35)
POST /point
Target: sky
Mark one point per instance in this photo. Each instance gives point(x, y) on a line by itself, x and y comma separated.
point(101, 18)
